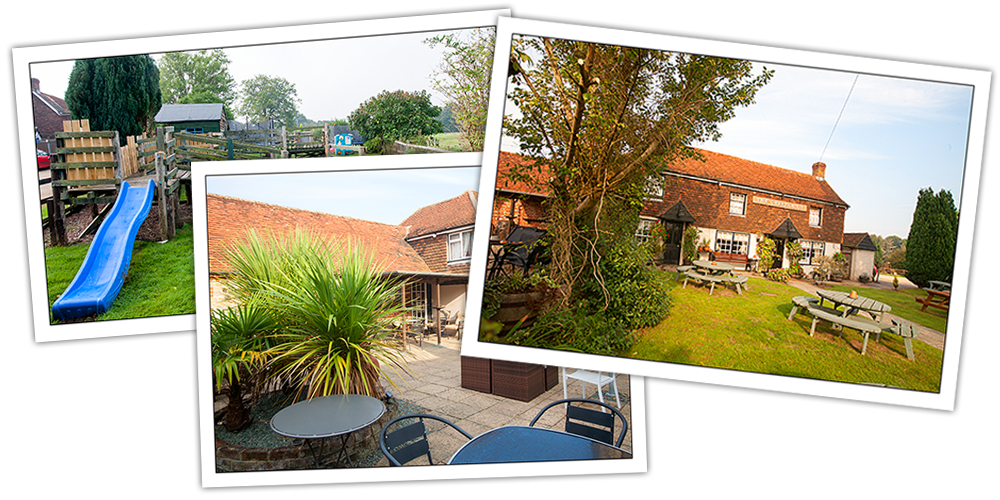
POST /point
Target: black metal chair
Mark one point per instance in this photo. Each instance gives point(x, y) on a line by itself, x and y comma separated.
point(595, 425)
point(403, 445)
point(520, 249)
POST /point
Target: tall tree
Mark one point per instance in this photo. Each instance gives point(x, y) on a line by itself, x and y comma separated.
point(464, 79)
point(603, 118)
point(204, 72)
point(396, 115)
point(269, 98)
point(115, 93)
point(930, 247)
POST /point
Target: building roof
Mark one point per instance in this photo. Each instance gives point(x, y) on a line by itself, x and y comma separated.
point(230, 218)
point(861, 241)
point(173, 113)
point(449, 214)
point(677, 213)
point(786, 229)
point(56, 104)
point(754, 175)
point(507, 161)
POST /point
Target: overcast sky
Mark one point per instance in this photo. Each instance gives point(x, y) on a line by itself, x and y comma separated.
point(332, 77)
point(387, 196)
point(895, 136)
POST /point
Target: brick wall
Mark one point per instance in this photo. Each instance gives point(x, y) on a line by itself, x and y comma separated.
point(709, 204)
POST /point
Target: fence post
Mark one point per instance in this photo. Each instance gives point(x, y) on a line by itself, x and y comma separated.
point(229, 147)
point(161, 192)
point(326, 139)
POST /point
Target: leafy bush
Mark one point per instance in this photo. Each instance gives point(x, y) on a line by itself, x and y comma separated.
point(780, 275)
point(766, 252)
point(396, 116)
point(515, 282)
point(690, 245)
point(576, 329)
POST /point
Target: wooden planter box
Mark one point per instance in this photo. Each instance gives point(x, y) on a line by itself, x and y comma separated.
point(520, 381)
point(476, 374)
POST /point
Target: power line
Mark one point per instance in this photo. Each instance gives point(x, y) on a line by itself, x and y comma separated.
point(838, 116)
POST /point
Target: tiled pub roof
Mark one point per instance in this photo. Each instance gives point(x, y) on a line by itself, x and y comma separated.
point(229, 219)
point(449, 214)
point(761, 176)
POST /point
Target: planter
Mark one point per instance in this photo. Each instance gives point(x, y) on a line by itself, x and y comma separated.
point(520, 381)
point(520, 307)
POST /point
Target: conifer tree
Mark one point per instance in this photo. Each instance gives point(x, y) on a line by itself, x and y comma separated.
point(930, 247)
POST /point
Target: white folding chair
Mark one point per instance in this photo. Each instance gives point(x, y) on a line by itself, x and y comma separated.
point(600, 379)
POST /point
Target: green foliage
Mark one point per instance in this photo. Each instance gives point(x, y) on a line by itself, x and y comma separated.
point(464, 79)
point(828, 268)
point(794, 250)
point(115, 93)
point(766, 252)
point(447, 119)
point(393, 116)
point(241, 336)
point(515, 282)
point(930, 248)
point(780, 275)
point(266, 98)
point(577, 329)
point(690, 244)
point(204, 72)
point(335, 306)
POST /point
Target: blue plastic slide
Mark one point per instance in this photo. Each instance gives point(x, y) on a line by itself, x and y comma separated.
point(103, 271)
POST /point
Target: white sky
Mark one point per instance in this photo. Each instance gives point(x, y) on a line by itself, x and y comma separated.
point(387, 196)
point(332, 77)
point(895, 136)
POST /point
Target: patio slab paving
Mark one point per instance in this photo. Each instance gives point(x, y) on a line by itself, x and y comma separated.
point(435, 384)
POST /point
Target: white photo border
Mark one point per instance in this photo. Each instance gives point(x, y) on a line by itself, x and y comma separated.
point(212, 478)
point(980, 80)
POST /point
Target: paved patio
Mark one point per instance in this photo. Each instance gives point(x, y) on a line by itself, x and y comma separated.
point(436, 385)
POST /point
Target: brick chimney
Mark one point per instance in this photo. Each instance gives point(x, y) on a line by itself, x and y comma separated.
point(36, 84)
point(819, 170)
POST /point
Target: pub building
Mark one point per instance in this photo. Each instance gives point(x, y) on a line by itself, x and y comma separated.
point(730, 200)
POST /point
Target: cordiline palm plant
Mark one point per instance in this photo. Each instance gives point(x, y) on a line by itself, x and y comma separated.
point(336, 309)
point(241, 337)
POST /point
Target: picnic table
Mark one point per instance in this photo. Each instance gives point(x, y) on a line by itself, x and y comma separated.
point(714, 268)
point(853, 305)
point(935, 298)
point(941, 286)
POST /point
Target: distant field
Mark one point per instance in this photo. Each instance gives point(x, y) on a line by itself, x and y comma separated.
point(449, 141)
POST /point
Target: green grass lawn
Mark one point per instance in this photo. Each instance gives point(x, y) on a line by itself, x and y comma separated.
point(904, 305)
point(752, 333)
point(160, 279)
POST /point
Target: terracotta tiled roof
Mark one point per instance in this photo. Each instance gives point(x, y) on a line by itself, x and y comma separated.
point(752, 174)
point(716, 166)
point(508, 160)
point(455, 212)
point(229, 219)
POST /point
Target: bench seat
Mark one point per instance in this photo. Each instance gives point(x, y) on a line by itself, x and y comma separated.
point(860, 323)
point(697, 277)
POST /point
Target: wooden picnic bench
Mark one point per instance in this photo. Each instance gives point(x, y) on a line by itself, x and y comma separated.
point(935, 298)
point(699, 278)
point(860, 323)
point(907, 331)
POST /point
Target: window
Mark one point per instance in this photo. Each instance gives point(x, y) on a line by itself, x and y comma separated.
point(417, 299)
point(810, 251)
point(737, 204)
point(645, 231)
point(460, 246)
point(730, 242)
point(654, 187)
point(815, 217)
point(195, 130)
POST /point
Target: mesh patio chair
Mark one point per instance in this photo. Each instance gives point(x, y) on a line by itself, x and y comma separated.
point(410, 441)
point(589, 423)
point(521, 250)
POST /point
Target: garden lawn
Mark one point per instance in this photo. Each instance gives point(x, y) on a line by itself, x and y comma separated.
point(904, 305)
point(752, 333)
point(160, 279)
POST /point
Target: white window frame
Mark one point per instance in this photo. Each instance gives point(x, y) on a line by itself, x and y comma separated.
point(654, 187)
point(742, 204)
point(819, 216)
point(644, 232)
point(729, 239)
point(464, 240)
point(810, 251)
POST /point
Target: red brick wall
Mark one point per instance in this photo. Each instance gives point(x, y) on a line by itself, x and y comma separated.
point(527, 212)
point(709, 204)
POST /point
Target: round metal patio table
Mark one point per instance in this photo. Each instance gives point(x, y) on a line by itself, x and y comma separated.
point(328, 416)
point(532, 444)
